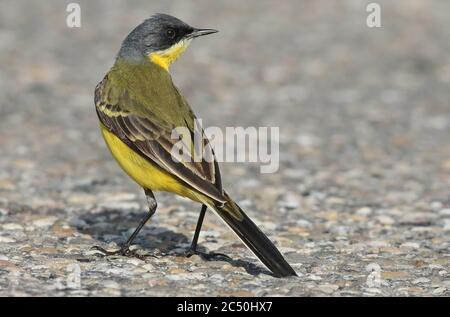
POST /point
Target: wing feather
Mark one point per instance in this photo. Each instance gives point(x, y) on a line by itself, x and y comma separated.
point(153, 140)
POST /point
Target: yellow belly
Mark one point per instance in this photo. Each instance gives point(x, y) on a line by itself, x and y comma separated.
point(143, 172)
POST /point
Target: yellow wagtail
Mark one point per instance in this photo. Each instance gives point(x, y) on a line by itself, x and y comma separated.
point(139, 106)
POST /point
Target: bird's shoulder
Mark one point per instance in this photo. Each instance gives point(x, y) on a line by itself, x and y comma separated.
point(146, 90)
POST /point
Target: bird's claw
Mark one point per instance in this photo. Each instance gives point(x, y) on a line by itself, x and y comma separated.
point(207, 256)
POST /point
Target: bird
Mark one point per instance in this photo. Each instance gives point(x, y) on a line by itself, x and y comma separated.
point(138, 106)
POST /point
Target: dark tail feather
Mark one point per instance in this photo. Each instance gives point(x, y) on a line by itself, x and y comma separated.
point(254, 239)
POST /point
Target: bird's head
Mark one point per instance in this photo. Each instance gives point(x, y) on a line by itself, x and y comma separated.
point(162, 39)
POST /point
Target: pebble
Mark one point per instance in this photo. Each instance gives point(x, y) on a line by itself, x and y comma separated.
point(121, 205)
point(410, 245)
point(439, 291)
point(45, 222)
point(335, 201)
point(395, 275)
point(122, 197)
point(185, 276)
point(364, 211)
point(149, 267)
point(379, 244)
point(385, 220)
point(7, 240)
point(436, 205)
point(446, 224)
point(328, 288)
point(445, 212)
point(111, 284)
point(421, 280)
point(290, 201)
point(135, 262)
point(304, 223)
point(12, 226)
point(314, 277)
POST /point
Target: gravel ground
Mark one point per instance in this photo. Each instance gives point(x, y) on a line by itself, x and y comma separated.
point(360, 204)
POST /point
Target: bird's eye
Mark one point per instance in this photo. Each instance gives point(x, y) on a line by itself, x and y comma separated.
point(171, 33)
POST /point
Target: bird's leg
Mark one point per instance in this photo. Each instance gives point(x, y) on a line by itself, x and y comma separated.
point(125, 249)
point(193, 248)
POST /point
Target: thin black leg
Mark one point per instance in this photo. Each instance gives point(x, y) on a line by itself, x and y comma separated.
point(125, 249)
point(151, 210)
point(193, 249)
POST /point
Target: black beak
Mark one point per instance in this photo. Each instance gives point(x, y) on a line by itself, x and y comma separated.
point(200, 32)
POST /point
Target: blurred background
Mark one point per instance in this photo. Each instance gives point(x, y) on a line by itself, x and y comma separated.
point(364, 139)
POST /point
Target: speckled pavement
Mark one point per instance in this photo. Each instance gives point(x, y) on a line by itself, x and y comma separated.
point(359, 206)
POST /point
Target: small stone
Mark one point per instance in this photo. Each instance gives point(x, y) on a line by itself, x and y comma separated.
point(308, 140)
point(121, 205)
point(290, 201)
point(304, 223)
point(63, 231)
point(435, 267)
point(123, 197)
point(439, 291)
point(176, 271)
point(111, 284)
point(421, 280)
point(92, 252)
point(394, 275)
point(379, 244)
point(385, 220)
point(417, 218)
point(149, 267)
point(45, 222)
point(331, 215)
point(336, 201)
point(154, 280)
point(373, 291)
point(328, 288)
point(364, 211)
point(135, 262)
point(445, 212)
point(7, 240)
point(12, 226)
point(196, 259)
point(314, 277)
point(410, 245)
point(184, 276)
point(436, 205)
point(216, 278)
point(81, 199)
point(447, 224)
point(7, 265)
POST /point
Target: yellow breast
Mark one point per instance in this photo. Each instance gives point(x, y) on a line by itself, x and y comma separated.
point(142, 171)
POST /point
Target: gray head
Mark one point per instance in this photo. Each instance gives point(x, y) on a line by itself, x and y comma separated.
point(158, 34)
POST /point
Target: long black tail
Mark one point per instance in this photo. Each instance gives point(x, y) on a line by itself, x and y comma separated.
point(254, 239)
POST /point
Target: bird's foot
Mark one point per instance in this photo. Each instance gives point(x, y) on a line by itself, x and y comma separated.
point(208, 256)
point(123, 251)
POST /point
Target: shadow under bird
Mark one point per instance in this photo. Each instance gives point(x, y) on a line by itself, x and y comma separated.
point(138, 106)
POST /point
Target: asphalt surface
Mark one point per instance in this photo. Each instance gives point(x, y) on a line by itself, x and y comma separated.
point(359, 206)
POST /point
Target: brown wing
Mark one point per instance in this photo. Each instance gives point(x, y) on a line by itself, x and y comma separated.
point(153, 140)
